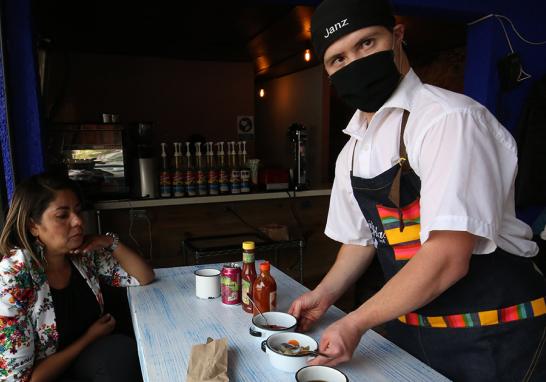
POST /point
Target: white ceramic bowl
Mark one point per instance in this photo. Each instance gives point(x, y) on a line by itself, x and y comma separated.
point(284, 362)
point(320, 373)
point(260, 329)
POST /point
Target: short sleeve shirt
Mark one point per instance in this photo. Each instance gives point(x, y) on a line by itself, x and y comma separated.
point(466, 160)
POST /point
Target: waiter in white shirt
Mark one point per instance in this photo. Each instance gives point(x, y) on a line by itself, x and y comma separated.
point(426, 183)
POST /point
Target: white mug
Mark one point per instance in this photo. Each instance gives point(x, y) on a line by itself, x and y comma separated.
point(320, 373)
point(207, 283)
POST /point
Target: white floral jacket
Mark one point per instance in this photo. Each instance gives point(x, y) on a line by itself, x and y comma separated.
point(28, 330)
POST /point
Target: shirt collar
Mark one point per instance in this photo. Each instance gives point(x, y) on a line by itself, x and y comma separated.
point(402, 98)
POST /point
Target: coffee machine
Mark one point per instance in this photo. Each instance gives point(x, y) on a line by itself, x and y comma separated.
point(297, 134)
point(145, 178)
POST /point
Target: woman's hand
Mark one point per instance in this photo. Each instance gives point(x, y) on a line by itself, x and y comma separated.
point(100, 328)
point(92, 243)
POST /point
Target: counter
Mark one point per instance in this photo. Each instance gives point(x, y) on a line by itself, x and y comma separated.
point(143, 203)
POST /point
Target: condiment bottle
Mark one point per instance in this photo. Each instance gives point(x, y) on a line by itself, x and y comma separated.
point(235, 174)
point(201, 179)
point(213, 171)
point(223, 177)
point(165, 184)
point(178, 179)
point(190, 173)
point(264, 290)
point(245, 171)
point(248, 275)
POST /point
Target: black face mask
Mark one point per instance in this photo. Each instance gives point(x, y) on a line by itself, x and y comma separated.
point(367, 82)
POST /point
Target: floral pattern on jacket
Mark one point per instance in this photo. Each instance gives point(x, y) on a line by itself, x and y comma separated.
point(28, 330)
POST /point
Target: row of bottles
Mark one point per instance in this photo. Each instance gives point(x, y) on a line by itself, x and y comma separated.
point(192, 176)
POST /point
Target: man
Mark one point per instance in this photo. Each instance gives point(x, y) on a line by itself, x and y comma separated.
point(426, 183)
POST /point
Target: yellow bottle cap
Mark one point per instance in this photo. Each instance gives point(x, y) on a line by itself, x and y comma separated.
point(248, 245)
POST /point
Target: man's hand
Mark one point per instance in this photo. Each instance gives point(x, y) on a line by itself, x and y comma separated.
point(338, 341)
point(307, 309)
point(100, 328)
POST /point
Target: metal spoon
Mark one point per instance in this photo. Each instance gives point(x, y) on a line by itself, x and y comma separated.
point(296, 349)
point(258, 309)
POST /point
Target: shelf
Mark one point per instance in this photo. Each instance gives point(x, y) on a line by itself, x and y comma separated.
point(143, 203)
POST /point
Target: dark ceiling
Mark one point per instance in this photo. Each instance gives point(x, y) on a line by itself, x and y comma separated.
point(272, 36)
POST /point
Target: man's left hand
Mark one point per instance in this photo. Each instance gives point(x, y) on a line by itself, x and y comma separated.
point(338, 341)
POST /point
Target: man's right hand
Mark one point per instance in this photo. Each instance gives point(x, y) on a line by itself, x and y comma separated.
point(102, 327)
point(307, 309)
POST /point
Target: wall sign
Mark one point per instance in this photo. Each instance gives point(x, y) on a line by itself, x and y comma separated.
point(245, 127)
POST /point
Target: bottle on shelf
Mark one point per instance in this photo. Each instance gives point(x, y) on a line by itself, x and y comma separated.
point(223, 175)
point(200, 171)
point(245, 171)
point(165, 183)
point(223, 178)
point(190, 173)
point(248, 275)
point(178, 179)
point(213, 186)
point(264, 290)
point(235, 174)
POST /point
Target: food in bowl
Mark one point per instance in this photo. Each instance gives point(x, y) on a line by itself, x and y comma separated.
point(272, 322)
point(289, 362)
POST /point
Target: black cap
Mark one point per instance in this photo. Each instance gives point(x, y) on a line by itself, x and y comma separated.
point(334, 19)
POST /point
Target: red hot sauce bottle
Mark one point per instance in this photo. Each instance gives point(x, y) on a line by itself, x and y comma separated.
point(264, 290)
point(248, 275)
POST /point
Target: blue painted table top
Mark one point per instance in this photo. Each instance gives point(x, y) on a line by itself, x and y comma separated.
point(168, 319)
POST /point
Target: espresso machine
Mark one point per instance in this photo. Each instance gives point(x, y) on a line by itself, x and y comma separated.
point(297, 134)
point(145, 178)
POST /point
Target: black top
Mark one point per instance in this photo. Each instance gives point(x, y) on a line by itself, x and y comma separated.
point(76, 308)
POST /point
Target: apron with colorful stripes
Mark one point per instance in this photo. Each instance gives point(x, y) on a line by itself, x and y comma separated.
point(490, 325)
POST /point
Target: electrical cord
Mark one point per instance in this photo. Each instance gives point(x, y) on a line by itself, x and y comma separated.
point(260, 234)
point(295, 216)
point(149, 225)
point(523, 74)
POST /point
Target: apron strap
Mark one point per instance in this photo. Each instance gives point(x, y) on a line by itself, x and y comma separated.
point(394, 194)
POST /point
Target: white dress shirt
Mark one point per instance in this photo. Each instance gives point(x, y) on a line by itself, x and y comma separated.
point(466, 160)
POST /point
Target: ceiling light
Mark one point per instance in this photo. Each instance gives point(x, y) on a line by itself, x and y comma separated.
point(262, 93)
point(307, 55)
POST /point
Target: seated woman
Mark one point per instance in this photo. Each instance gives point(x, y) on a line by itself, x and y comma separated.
point(52, 323)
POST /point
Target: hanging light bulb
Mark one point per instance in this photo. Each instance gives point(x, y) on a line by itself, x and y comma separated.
point(262, 93)
point(307, 55)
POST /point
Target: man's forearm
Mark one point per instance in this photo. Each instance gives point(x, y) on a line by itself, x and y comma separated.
point(439, 264)
point(351, 262)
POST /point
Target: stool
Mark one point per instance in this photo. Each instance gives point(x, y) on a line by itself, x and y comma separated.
point(203, 247)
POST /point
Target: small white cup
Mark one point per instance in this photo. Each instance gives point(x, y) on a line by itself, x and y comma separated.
point(207, 283)
point(106, 118)
point(320, 373)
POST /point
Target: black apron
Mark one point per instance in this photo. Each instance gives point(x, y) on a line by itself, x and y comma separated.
point(490, 325)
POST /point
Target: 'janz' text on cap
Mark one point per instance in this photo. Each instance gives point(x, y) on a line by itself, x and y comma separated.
point(330, 31)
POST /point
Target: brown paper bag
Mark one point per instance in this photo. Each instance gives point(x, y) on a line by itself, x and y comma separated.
point(208, 362)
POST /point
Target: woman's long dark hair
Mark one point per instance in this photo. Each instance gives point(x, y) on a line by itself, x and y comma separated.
point(31, 198)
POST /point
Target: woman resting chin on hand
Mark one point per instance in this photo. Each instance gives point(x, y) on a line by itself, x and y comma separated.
point(52, 320)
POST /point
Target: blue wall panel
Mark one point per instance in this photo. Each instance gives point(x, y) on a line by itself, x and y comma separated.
point(22, 90)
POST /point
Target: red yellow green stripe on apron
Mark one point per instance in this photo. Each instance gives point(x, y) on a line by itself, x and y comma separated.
point(522, 311)
point(406, 242)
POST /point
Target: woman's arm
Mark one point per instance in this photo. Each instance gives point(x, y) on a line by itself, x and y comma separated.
point(50, 368)
point(130, 261)
point(133, 264)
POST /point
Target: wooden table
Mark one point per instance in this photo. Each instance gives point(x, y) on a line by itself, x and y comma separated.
point(168, 319)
